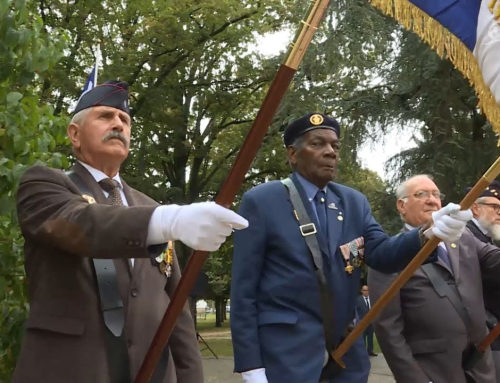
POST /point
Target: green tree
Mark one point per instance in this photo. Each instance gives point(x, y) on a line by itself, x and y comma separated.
point(29, 133)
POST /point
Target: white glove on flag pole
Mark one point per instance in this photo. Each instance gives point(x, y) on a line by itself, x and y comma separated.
point(449, 223)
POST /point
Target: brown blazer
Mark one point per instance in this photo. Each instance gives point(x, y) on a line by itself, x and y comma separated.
point(421, 334)
point(64, 339)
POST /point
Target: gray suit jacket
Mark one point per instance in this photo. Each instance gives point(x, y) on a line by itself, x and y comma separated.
point(64, 340)
point(421, 334)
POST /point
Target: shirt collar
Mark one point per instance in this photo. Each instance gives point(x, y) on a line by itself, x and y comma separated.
point(480, 227)
point(99, 176)
point(310, 189)
point(409, 227)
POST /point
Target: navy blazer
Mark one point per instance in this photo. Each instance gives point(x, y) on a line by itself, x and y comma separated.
point(276, 319)
point(361, 307)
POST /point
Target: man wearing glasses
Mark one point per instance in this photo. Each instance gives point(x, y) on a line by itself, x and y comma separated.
point(485, 225)
point(428, 329)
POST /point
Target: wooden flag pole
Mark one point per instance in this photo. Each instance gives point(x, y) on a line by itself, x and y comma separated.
point(235, 179)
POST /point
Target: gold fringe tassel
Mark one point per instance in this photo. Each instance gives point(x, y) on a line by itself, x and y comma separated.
point(491, 5)
point(447, 45)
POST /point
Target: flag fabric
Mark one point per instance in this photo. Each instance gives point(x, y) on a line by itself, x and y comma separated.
point(91, 82)
point(467, 32)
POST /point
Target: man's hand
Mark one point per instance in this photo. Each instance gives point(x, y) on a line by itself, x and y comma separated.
point(205, 225)
point(254, 376)
point(449, 223)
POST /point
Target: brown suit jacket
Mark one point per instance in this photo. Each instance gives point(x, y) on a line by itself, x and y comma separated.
point(64, 339)
point(421, 334)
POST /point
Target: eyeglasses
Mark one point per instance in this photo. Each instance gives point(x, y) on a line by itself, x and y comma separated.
point(495, 206)
point(425, 194)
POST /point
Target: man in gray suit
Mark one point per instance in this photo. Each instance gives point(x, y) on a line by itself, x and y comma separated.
point(485, 225)
point(439, 314)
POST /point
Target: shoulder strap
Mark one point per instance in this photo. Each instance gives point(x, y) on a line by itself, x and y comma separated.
point(308, 231)
point(450, 291)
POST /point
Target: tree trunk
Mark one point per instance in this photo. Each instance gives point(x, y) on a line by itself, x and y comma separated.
point(192, 307)
point(218, 311)
point(224, 305)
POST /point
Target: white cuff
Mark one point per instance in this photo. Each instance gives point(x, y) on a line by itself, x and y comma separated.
point(159, 228)
point(254, 376)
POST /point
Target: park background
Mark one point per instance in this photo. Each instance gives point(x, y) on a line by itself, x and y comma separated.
point(198, 72)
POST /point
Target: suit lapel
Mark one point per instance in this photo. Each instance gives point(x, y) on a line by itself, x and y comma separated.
point(90, 182)
point(335, 216)
point(454, 255)
point(321, 239)
point(127, 190)
point(478, 232)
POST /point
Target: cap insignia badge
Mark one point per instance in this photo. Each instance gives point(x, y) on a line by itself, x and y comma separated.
point(316, 119)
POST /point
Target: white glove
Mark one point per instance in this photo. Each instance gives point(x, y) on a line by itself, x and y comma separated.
point(254, 376)
point(205, 225)
point(449, 223)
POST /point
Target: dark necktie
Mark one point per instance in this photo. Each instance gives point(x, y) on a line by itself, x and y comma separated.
point(443, 255)
point(320, 200)
point(113, 188)
point(114, 198)
point(367, 303)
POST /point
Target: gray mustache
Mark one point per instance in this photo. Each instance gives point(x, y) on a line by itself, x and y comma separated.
point(115, 134)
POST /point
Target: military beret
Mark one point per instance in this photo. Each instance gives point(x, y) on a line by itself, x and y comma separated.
point(493, 190)
point(111, 93)
point(307, 123)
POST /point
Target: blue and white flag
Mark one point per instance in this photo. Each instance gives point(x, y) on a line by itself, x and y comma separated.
point(465, 31)
point(91, 82)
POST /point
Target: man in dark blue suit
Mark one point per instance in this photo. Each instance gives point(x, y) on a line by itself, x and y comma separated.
point(362, 308)
point(276, 315)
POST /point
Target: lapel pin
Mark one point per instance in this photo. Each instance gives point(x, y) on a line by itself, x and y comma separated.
point(453, 245)
point(89, 198)
point(332, 206)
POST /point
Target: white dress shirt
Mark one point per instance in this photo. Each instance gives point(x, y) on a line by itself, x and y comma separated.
point(367, 300)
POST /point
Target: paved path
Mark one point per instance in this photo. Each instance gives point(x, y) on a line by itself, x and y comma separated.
point(221, 370)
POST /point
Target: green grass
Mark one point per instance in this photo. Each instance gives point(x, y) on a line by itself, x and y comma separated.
point(221, 347)
point(224, 347)
point(208, 325)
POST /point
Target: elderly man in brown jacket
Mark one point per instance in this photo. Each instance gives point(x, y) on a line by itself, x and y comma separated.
point(99, 259)
point(430, 325)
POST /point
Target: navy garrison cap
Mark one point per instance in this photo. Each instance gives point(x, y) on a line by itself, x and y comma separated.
point(493, 190)
point(307, 123)
point(111, 93)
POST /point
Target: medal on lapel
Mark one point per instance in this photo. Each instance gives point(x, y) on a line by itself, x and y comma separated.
point(88, 198)
point(353, 253)
point(165, 260)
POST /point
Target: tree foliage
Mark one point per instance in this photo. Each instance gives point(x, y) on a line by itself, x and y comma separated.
point(196, 86)
point(29, 132)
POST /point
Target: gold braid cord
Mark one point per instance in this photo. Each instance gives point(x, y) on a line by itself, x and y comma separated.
point(447, 45)
point(496, 12)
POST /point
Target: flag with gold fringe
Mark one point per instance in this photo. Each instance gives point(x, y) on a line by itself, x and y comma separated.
point(467, 32)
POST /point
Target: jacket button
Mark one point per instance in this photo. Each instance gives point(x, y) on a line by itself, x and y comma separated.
point(134, 292)
point(131, 243)
point(137, 243)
